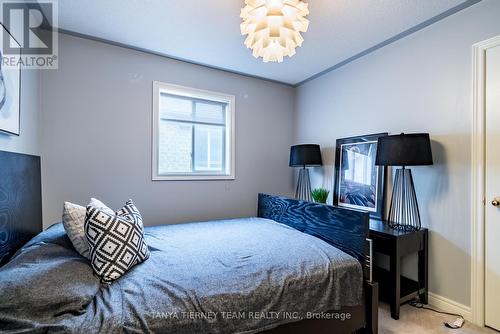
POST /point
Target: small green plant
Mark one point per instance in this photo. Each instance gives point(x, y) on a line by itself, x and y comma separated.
point(320, 195)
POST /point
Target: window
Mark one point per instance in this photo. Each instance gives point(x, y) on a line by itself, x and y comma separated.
point(193, 134)
point(359, 170)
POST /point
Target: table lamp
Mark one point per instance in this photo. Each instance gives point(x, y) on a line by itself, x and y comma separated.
point(404, 150)
point(305, 155)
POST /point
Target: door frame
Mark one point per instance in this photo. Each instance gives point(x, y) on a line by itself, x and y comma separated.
point(478, 155)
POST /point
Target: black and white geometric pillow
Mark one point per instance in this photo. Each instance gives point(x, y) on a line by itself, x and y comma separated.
point(130, 211)
point(116, 242)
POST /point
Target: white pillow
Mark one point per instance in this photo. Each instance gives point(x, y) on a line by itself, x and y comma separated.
point(74, 224)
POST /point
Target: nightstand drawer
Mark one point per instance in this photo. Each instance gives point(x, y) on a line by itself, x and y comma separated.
point(382, 244)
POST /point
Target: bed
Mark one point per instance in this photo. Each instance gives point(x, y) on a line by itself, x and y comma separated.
point(295, 267)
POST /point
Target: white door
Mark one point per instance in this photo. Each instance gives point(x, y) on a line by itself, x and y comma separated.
point(492, 228)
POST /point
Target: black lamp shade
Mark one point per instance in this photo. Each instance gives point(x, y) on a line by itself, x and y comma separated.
point(305, 155)
point(404, 150)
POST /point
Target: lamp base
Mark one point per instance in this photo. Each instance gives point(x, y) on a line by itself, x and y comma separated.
point(403, 213)
point(303, 191)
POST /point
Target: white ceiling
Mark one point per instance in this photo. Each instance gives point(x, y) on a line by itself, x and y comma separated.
point(207, 31)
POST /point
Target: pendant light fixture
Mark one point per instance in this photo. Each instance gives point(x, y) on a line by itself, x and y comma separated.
point(273, 27)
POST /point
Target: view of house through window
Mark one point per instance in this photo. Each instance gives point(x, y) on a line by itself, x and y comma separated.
point(193, 135)
point(359, 170)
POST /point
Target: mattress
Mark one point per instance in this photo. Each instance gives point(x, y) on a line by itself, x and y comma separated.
point(229, 276)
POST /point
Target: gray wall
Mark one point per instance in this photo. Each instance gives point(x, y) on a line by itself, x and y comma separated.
point(421, 83)
point(96, 122)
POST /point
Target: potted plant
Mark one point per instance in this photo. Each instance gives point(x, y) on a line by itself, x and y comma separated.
point(320, 195)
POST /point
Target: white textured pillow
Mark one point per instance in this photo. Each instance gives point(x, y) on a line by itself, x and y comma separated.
point(74, 224)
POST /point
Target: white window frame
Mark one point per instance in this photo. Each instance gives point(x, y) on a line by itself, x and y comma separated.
point(159, 87)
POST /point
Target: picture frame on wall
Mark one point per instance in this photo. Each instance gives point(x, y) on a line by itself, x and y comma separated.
point(359, 184)
point(10, 89)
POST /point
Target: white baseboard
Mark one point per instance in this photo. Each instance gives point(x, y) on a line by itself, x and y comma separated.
point(448, 305)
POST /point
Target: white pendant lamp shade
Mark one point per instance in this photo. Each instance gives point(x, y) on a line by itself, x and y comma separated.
point(273, 27)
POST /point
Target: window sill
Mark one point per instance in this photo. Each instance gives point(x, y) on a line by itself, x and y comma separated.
point(192, 177)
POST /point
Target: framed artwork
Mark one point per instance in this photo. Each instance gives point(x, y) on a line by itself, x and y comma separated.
point(359, 184)
point(10, 90)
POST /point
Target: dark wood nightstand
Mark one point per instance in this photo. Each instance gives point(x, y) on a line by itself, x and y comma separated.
point(394, 288)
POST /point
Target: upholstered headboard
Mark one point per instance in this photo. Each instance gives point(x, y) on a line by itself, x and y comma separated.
point(20, 201)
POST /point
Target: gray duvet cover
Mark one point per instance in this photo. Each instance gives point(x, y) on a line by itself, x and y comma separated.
point(230, 276)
